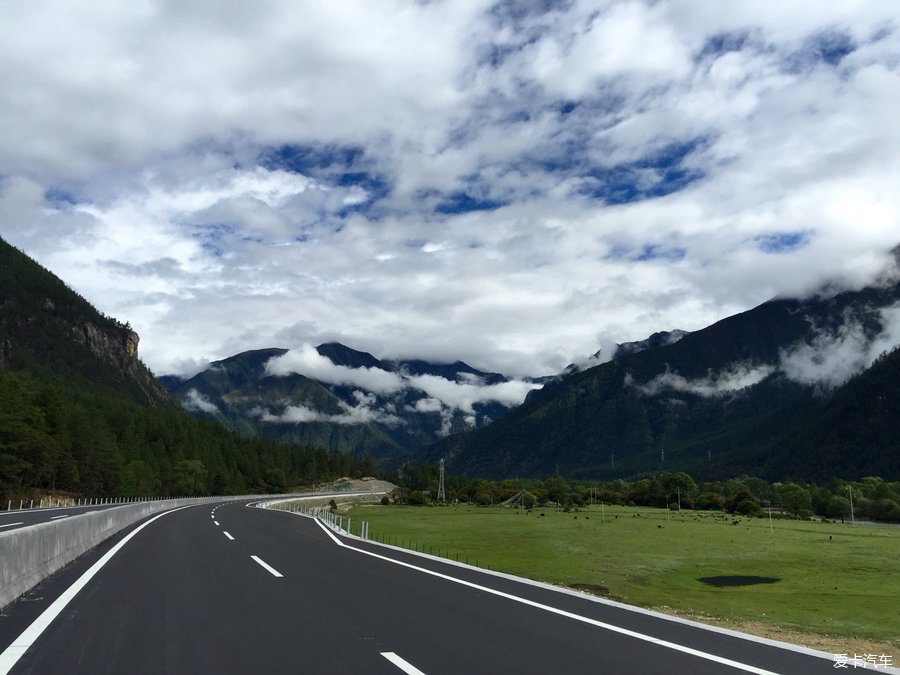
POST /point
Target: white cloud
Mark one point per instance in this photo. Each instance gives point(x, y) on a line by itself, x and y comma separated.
point(441, 392)
point(136, 172)
point(732, 379)
point(307, 361)
point(464, 395)
point(834, 357)
point(194, 400)
point(828, 361)
point(428, 405)
point(363, 412)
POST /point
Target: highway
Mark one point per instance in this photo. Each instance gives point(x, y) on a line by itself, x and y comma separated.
point(231, 589)
point(13, 520)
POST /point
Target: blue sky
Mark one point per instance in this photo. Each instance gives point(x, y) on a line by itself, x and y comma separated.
point(446, 180)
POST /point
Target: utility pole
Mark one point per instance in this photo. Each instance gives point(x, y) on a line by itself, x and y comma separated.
point(662, 456)
point(613, 458)
point(441, 495)
point(678, 487)
point(850, 492)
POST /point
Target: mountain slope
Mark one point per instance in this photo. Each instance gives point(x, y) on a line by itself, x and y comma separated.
point(763, 391)
point(385, 409)
point(45, 326)
point(81, 415)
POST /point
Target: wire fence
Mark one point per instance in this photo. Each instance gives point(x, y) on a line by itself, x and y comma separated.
point(360, 528)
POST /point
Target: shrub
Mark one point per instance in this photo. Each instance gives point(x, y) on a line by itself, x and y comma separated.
point(748, 507)
point(711, 501)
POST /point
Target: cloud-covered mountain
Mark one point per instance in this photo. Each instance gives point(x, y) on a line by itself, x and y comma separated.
point(806, 388)
point(340, 398)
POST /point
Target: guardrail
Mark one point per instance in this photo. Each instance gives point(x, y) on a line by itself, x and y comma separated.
point(62, 502)
point(31, 554)
point(324, 514)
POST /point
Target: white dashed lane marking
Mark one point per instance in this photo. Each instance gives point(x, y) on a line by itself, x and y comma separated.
point(271, 570)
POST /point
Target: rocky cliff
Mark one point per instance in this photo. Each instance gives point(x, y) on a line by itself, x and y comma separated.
point(46, 326)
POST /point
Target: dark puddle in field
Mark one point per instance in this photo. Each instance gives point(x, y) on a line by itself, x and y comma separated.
point(737, 580)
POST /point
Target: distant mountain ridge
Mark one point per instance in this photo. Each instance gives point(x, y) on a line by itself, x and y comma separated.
point(351, 401)
point(772, 391)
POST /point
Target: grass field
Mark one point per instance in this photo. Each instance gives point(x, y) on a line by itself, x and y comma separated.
point(834, 579)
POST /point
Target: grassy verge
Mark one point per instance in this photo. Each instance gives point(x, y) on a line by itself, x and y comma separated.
point(837, 583)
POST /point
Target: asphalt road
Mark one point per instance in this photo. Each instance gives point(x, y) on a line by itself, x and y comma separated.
point(13, 520)
point(231, 589)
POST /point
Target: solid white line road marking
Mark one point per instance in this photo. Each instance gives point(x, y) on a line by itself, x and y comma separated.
point(268, 568)
point(57, 517)
point(228, 535)
point(11, 524)
point(216, 522)
point(403, 665)
point(554, 610)
point(21, 644)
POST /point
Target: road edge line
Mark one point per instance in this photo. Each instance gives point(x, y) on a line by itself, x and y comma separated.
point(21, 644)
point(561, 612)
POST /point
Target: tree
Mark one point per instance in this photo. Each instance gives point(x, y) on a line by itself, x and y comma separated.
point(794, 498)
point(190, 477)
point(837, 507)
point(484, 499)
point(711, 501)
point(557, 489)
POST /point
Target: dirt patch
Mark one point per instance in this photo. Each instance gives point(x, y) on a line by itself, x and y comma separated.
point(736, 580)
point(373, 490)
point(360, 485)
point(593, 589)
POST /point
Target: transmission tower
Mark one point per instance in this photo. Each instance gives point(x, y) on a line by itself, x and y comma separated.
point(441, 495)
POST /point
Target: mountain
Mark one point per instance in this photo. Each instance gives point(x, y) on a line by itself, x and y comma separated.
point(45, 325)
point(80, 414)
point(336, 397)
point(660, 339)
point(790, 388)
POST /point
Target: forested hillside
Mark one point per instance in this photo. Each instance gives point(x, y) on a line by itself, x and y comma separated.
point(79, 412)
point(767, 392)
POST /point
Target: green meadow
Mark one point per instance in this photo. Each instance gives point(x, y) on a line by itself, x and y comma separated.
point(833, 579)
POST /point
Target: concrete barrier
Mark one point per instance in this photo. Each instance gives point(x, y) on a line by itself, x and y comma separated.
point(31, 554)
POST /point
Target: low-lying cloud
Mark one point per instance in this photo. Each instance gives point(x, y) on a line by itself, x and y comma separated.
point(363, 412)
point(729, 380)
point(828, 361)
point(306, 361)
point(464, 395)
point(194, 400)
point(460, 395)
point(832, 358)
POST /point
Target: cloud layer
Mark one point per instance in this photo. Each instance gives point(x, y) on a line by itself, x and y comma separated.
point(827, 361)
point(459, 394)
point(486, 181)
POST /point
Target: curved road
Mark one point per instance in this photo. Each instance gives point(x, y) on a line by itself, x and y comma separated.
point(231, 589)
